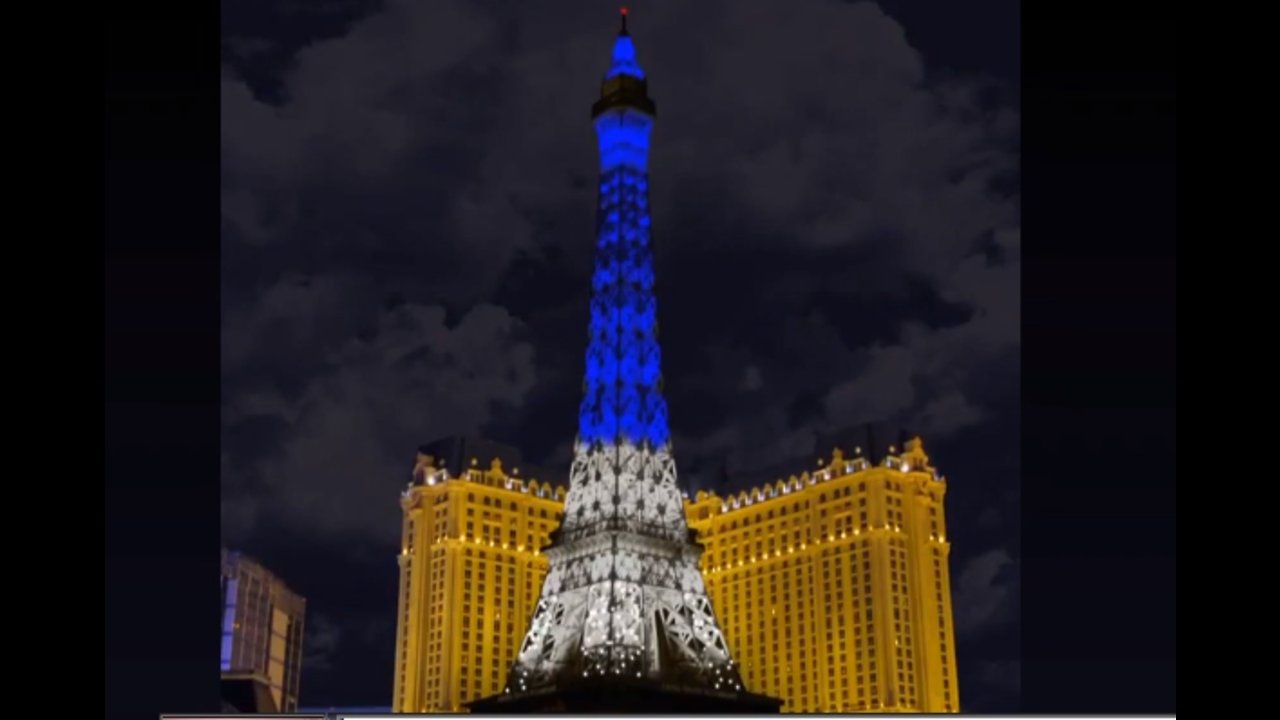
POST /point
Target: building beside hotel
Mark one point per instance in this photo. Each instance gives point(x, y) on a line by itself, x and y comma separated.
point(262, 622)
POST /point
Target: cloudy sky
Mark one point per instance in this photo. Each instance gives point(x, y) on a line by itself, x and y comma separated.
point(407, 221)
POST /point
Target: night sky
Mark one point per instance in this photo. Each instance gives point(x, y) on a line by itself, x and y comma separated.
point(408, 194)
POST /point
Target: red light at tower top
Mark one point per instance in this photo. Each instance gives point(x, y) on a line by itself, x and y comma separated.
point(623, 10)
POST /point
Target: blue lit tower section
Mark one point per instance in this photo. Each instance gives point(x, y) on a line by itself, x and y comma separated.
point(623, 596)
point(622, 404)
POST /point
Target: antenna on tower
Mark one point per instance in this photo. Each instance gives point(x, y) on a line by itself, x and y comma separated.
point(623, 12)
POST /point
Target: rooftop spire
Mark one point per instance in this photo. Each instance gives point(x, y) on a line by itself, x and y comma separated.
point(624, 53)
point(624, 85)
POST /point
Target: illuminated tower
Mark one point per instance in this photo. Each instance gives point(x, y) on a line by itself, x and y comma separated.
point(623, 605)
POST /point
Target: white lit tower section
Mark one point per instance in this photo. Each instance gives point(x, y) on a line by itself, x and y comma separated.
point(623, 597)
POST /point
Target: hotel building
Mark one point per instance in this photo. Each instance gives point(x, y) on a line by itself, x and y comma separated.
point(832, 586)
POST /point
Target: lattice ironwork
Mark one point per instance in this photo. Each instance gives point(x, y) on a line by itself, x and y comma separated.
point(623, 595)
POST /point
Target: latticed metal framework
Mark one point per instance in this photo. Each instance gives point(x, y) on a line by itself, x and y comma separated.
point(623, 595)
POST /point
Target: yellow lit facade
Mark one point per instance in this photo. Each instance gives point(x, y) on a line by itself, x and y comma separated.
point(471, 568)
point(832, 587)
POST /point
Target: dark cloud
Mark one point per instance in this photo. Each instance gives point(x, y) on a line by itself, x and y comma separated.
point(323, 638)
point(408, 198)
point(339, 467)
point(984, 590)
point(994, 686)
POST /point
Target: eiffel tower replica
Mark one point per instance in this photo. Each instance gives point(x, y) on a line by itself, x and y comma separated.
point(623, 622)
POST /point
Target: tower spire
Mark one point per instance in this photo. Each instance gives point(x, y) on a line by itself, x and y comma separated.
point(623, 598)
point(624, 61)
